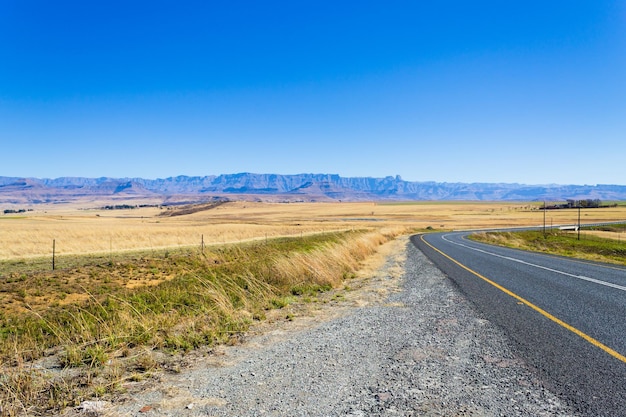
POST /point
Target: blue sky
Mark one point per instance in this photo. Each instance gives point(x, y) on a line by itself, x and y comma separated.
point(529, 92)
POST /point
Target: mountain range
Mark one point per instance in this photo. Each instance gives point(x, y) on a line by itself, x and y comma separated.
point(275, 187)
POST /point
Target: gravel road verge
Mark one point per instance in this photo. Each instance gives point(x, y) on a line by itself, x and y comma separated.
point(401, 342)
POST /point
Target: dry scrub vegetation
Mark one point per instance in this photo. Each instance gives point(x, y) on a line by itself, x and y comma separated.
point(134, 288)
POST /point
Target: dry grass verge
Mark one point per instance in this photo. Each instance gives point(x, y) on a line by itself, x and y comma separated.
point(116, 332)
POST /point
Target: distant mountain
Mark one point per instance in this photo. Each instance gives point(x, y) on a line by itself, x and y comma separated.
point(274, 187)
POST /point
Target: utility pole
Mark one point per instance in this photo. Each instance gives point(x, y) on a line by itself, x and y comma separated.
point(544, 219)
point(578, 220)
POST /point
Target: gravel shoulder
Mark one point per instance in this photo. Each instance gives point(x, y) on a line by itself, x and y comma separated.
point(402, 341)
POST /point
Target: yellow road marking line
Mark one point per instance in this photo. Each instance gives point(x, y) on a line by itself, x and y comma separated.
point(541, 311)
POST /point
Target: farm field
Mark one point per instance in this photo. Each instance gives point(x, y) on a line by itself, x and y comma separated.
point(76, 230)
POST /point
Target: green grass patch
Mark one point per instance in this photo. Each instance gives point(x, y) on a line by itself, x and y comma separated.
point(615, 228)
point(560, 243)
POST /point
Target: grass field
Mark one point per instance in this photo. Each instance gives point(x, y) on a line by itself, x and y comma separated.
point(105, 323)
point(81, 231)
point(132, 283)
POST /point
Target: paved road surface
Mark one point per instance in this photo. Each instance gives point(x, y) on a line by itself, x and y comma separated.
point(565, 317)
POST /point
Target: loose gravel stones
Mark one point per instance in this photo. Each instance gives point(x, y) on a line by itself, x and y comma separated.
point(420, 351)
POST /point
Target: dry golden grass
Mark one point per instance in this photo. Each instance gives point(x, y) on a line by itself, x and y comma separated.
point(80, 231)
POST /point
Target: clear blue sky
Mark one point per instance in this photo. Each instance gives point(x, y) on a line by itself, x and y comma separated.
point(529, 91)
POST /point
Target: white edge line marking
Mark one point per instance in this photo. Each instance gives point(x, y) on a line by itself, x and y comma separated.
point(582, 277)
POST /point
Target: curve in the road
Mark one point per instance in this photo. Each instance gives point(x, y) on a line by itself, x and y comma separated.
point(541, 311)
point(564, 317)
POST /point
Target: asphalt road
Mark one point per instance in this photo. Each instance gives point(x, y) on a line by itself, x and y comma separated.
point(565, 318)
